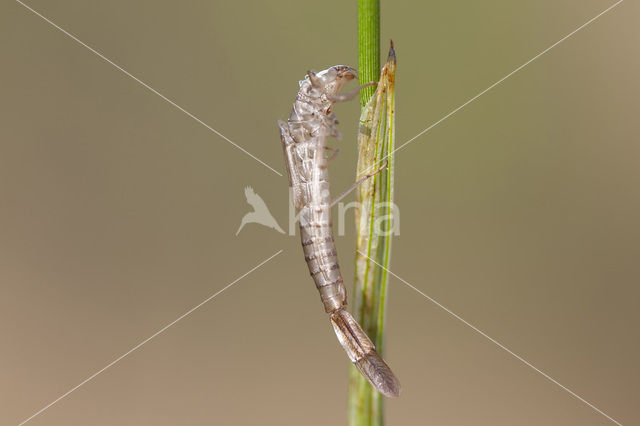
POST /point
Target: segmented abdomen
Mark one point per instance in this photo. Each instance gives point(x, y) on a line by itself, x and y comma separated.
point(321, 256)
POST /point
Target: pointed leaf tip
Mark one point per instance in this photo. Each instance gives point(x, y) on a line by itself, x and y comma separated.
point(392, 52)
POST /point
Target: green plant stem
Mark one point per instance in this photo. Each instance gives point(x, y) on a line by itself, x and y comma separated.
point(368, 46)
point(375, 197)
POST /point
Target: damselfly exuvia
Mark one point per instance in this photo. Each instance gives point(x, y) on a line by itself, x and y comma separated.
point(304, 141)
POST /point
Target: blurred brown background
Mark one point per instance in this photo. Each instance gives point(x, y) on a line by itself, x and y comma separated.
point(118, 213)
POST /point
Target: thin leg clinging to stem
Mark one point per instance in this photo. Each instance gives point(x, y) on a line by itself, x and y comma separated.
point(358, 182)
point(333, 155)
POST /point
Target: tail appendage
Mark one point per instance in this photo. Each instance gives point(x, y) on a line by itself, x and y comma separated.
point(362, 353)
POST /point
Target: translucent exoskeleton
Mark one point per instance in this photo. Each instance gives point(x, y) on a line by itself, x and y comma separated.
point(304, 138)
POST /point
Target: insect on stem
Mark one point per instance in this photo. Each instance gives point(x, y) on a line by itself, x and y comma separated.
point(304, 144)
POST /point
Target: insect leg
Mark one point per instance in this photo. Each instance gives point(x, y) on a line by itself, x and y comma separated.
point(333, 155)
point(344, 97)
point(358, 182)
